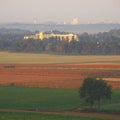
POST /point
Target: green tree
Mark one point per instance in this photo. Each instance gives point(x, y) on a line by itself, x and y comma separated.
point(93, 90)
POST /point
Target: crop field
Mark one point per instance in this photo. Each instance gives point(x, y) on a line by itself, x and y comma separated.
point(45, 83)
point(58, 75)
point(25, 58)
point(56, 71)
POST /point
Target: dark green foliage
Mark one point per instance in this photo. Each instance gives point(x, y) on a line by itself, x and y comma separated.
point(107, 43)
point(94, 90)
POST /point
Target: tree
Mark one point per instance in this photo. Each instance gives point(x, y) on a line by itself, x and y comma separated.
point(93, 90)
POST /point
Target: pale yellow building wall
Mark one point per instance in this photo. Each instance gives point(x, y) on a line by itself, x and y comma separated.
point(42, 36)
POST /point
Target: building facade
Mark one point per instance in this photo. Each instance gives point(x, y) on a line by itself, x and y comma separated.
point(46, 35)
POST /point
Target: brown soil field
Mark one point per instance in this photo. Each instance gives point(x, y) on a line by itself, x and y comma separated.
point(58, 75)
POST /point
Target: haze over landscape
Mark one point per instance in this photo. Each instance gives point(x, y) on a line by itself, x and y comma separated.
point(59, 60)
point(60, 11)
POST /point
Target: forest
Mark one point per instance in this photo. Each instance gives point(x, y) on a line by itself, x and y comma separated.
point(105, 43)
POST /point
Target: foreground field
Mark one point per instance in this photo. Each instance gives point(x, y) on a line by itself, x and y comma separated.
point(58, 75)
point(38, 98)
point(50, 104)
point(48, 99)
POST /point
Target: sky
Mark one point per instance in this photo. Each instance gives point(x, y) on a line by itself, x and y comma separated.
point(39, 11)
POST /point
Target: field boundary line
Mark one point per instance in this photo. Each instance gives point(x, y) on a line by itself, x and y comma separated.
point(77, 113)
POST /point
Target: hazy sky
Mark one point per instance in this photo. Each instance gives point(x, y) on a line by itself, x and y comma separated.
point(59, 10)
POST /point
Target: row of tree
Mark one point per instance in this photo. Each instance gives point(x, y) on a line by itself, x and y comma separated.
point(107, 43)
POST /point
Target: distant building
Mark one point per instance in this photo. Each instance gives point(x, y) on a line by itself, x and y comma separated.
point(54, 34)
point(74, 21)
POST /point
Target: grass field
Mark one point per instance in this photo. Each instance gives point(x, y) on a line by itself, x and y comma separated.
point(48, 99)
point(35, 98)
point(114, 104)
point(24, 58)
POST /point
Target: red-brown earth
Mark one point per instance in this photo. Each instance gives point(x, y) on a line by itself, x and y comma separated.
point(58, 75)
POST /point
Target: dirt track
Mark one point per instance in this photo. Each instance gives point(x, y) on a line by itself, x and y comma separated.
point(92, 115)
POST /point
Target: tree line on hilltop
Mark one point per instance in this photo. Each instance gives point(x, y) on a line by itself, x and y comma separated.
point(107, 43)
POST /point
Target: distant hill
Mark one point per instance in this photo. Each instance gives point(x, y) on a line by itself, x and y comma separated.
point(89, 28)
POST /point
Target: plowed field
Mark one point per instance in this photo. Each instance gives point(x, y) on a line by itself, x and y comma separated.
point(58, 75)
